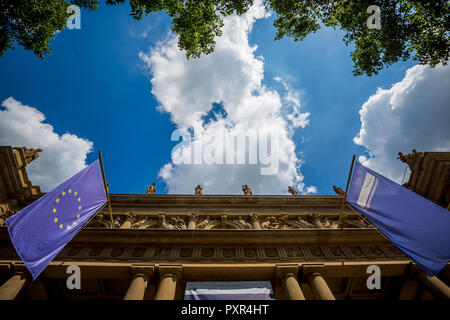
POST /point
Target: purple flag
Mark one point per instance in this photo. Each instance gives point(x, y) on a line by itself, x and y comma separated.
point(42, 229)
point(417, 226)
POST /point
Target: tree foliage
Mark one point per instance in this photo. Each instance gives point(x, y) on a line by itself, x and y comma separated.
point(32, 23)
point(197, 22)
point(409, 28)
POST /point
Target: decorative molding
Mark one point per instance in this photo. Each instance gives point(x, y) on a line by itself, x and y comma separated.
point(96, 252)
point(225, 221)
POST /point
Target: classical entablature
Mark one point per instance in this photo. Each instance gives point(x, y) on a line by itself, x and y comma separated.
point(151, 245)
point(225, 221)
point(236, 212)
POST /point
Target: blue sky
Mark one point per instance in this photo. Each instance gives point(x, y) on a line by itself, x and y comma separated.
point(94, 85)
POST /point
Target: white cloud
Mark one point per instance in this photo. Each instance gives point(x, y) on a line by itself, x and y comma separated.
point(231, 76)
point(62, 155)
point(292, 107)
point(413, 114)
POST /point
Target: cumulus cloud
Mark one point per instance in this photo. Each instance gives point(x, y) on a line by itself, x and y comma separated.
point(62, 155)
point(232, 78)
point(413, 114)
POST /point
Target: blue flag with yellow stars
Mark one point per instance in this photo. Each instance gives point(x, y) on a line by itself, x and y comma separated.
point(42, 229)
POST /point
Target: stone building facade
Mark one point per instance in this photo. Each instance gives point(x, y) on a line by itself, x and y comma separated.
point(155, 243)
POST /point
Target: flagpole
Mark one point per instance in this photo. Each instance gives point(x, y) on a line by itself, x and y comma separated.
point(106, 188)
point(345, 194)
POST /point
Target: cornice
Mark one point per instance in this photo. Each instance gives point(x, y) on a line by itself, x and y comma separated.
point(182, 200)
point(222, 237)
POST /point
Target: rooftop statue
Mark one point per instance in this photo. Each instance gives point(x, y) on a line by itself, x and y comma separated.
point(410, 158)
point(30, 154)
point(247, 190)
point(292, 190)
point(151, 189)
point(338, 190)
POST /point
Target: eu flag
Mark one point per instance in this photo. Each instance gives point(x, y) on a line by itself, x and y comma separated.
point(42, 229)
point(417, 226)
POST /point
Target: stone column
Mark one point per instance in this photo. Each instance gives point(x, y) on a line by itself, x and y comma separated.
point(11, 288)
point(320, 287)
point(436, 287)
point(255, 221)
point(192, 218)
point(286, 275)
point(291, 287)
point(136, 290)
point(169, 277)
point(167, 287)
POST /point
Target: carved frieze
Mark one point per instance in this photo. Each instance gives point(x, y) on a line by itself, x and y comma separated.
point(252, 220)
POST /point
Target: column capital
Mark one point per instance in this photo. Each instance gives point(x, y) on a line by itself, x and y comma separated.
point(170, 271)
point(147, 271)
point(286, 270)
point(285, 275)
point(310, 269)
point(314, 274)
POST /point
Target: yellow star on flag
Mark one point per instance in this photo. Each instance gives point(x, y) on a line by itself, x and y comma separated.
point(74, 223)
point(57, 200)
point(70, 190)
point(78, 216)
point(63, 193)
point(68, 227)
point(60, 226)
point(79, 207)
point(75, 193)
point(56, 220)
point(54, 210)
point(79, 199)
